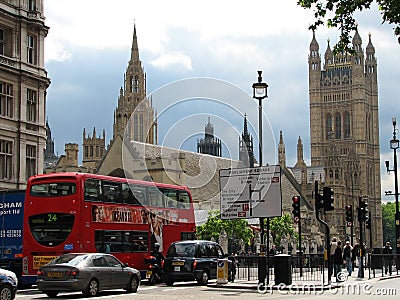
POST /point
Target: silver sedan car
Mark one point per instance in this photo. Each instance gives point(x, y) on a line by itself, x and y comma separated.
point(86, 272)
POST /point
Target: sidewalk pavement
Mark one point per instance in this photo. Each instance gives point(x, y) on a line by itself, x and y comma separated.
point(302, 284)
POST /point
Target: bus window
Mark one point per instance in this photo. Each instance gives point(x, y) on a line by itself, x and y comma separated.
point(139, 192)
point(127, 195)
point(113, 238)
point(111, 191)
point(155, 197)
point(170, 198)
point(121, 241)
point(92, 190)
point(53, 189)
point(140, 241)
point(184, 200)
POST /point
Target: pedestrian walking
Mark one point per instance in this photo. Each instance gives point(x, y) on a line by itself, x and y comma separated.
point(387, 258)
point(338, 260)
point(347, 257)
point(332, 253)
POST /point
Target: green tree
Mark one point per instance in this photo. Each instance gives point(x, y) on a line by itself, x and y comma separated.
point(388, 213)
point(236, 229)
point(340, 14)
point(280, 226)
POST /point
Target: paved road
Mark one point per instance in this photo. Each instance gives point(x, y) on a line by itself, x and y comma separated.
point(356, 289)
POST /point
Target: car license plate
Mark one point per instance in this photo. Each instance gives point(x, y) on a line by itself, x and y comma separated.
point(54, 274)
point(148, 274)
point(177, 269)
point(178, 263)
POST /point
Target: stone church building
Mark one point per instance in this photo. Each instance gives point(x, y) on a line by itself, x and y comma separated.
point(344, 129)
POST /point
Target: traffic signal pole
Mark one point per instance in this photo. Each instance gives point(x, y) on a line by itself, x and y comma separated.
point(318, 198)
point(297, 220)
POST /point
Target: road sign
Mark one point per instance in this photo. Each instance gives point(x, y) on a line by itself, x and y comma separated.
point(251, 192)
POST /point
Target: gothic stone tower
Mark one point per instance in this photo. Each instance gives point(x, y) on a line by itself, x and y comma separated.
point(246, 151)
point(134, 109)
point(210, 144)
point(345, 130)
point(94, 149)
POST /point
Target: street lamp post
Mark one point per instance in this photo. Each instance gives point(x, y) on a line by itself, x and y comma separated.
point(394, 144)
point(260, 93)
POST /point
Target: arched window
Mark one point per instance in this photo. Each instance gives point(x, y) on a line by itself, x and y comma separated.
point(346, 130)
point(328, 127)
point(338, 126)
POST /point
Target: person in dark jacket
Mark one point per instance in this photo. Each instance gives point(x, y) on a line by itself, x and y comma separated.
point(338, 259)
point(387, 258)
point(347, 257)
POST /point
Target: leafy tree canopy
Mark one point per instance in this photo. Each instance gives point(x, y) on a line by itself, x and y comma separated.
point(281, 226)
point(339, 14)
point(235, 228)
point(388, 213)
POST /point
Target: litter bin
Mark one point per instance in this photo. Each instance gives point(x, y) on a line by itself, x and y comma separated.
point(282, 268)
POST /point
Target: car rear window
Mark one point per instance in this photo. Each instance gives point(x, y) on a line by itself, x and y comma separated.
point(181, 250)
point(69, 259)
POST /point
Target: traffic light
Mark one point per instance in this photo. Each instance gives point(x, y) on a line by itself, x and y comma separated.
point(349, 215)
point(367, 222)
point(319, 200)
point(362, 210)
point(328, 198)
point(296, 208)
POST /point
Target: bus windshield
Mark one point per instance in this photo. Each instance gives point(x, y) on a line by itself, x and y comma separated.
point(51, 229)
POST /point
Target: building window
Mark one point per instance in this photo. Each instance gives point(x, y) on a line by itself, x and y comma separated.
point(135, 128)
point(131, 84)
point(346, 125)
point(6, 99)
point(31, 5)
point(141, 129)
point(338, 126)
point(2, 42)
point(31, 105)
point(328, 127)
point(31, 49)
point(30, 161)
point(5, 159)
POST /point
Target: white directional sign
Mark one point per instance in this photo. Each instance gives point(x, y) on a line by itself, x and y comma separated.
point(251, 192)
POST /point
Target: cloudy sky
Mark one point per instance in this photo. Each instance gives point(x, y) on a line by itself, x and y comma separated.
point(88, 48)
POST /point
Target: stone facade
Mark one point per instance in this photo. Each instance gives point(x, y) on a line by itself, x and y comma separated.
point(134, 116)
point(23, 85)
point(344, 130)
point(94, 149)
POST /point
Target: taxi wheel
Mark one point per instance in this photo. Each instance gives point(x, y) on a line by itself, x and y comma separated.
point(203, 280)
point(50, 294)
point(169, 282)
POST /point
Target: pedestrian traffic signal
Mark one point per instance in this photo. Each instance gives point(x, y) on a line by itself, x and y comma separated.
point(362, 210)
point(349, 215)
point(296, 208)
point(328, 198)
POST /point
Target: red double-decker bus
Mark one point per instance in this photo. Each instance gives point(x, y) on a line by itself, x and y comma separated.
point(78, 212)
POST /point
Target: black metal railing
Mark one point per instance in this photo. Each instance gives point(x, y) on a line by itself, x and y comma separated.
point(312, 267)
